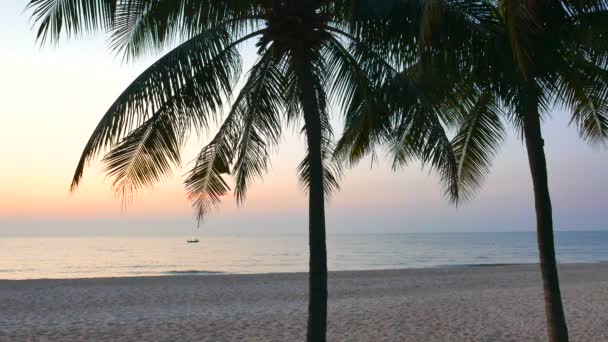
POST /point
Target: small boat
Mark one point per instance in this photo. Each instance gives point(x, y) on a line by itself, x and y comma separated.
point(195, 240)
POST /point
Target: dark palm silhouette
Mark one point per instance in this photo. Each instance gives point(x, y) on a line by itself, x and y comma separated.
point(513, 61)
point(310, 52)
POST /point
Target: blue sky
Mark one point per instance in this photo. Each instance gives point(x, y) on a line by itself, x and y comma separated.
point(54, 95)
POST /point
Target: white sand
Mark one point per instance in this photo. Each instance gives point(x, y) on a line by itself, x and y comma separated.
point(501, 303)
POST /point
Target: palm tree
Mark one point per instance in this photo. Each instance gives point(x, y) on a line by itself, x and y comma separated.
point(513, 61)
point(310, 52)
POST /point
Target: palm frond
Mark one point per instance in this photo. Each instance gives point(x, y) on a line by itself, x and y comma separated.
point(202, 70)
point(418, 131)
point(147, 154)
point(477, 142)
point(355, 78)
point(205, 182)
point(150, 26)
point(260, 108)
point(249, 130)
point(583, 89)
point(71, 17)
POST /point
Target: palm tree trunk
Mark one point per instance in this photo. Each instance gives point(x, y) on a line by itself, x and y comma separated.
point(317, 300)
point(556, 322)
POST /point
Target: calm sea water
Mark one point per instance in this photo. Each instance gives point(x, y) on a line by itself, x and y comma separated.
point(83, 257)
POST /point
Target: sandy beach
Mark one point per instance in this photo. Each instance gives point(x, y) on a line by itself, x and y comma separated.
point(490, 303)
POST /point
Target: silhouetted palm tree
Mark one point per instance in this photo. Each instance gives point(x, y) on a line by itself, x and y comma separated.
point(309, 52)
point(509, 60)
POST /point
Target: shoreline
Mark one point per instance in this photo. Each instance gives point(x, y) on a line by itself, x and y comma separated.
point(206, 273)
point(492, 303)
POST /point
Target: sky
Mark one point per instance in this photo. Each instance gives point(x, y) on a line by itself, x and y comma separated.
point(53, 96)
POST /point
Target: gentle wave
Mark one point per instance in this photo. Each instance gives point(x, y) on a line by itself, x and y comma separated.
point(191, 272)
point(483, 265)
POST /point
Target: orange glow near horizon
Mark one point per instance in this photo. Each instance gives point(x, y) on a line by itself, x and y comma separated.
point(95, 198)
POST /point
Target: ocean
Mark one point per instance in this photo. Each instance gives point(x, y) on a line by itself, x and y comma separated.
point(119, 256)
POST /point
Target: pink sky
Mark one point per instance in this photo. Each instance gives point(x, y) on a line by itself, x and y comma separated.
point(54, 96)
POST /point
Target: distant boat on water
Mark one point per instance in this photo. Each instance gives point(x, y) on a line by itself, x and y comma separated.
point(194, 240)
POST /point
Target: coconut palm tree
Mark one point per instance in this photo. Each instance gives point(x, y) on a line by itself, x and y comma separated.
point(309, 52)
point(510, 61)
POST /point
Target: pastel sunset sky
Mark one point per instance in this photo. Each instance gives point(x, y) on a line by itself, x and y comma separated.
point(53, 96)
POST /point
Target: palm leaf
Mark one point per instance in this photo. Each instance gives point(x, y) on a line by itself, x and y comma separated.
point(150, 26)
point(205, 183)
point(476, 143)
point(260, 111)
point(583, 88)
point(147, 154)
point(209, 61)
point(356, 75)
point(247, 133)
point(418, 131)
point(71, 17)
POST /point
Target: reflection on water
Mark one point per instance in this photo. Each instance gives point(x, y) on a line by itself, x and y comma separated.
point(76, 257)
